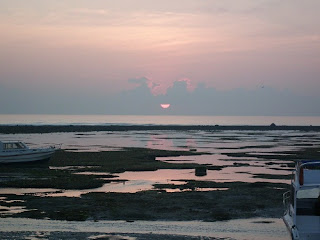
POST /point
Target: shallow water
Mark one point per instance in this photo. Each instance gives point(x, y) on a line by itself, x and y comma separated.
point(218, 144)
point(253, 229)
point(257, 144)
point(213, 142)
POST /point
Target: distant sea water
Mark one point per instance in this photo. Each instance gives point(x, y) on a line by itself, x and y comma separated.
point(36, 119)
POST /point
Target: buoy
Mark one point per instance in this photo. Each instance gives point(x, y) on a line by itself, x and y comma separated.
point(201, 171)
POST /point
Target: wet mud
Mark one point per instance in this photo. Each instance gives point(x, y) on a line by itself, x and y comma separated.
point(97, 177)
point(232, 200)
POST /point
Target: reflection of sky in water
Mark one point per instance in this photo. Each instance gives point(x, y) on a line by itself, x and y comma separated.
point(217, 143)
point(173, 140)
point(7, 211)
point(214, 159)
point(255, 143)
point(140, 181)
point(228, 174)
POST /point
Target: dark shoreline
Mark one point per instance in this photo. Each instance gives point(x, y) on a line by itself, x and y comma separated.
point(9, 129)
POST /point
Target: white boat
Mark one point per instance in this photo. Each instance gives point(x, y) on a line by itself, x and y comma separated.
point(302, 202)
point(18, 152)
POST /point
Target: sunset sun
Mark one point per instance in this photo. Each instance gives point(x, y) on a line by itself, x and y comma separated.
point(165, 105)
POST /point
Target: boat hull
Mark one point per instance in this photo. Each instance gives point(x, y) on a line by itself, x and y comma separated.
point(27, 156)
point(307, 227)
point(290, 226)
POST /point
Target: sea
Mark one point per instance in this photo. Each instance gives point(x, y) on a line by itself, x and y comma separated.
point(47, 119)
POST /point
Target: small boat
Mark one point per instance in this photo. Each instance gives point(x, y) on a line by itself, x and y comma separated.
point(302, 202)
point(18, 152)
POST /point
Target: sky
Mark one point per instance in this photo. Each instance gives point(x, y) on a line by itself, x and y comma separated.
point(208, 57)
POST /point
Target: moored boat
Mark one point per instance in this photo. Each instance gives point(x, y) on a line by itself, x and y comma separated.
point(302, 202)
point(18, 152)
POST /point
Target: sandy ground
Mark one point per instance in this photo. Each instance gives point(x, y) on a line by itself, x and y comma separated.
point(98, 236)
point(254, 229)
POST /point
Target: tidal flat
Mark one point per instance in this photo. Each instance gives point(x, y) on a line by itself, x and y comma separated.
point(231, 200)
point(97, 177)
point(64, 172)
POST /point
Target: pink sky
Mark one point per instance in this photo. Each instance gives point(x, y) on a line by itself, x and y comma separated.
point(99, 45)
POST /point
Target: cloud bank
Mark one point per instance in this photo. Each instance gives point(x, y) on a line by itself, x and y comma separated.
point(200, 100)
